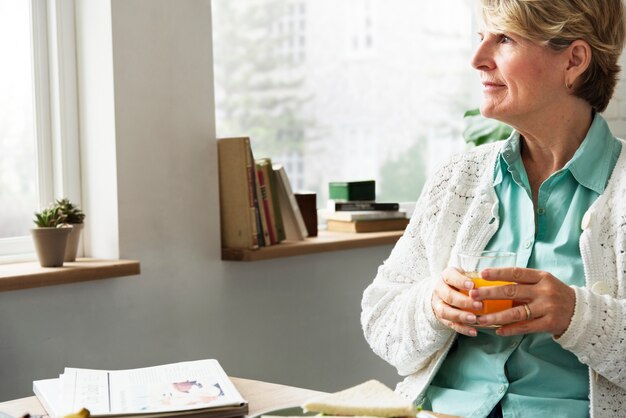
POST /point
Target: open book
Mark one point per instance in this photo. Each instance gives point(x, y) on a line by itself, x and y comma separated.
point(193, 388)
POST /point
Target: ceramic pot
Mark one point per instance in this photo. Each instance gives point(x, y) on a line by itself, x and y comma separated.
point(50, 245)
point(72, 242)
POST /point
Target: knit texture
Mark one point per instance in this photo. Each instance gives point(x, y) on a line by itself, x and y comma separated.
point(458, 209)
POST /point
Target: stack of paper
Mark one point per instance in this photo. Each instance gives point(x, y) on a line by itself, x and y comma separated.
point(194, 388)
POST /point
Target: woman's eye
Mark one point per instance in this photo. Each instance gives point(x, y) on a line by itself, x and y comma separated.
point(504, 39)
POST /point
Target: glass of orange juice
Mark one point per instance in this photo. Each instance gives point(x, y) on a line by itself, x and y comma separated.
point(473, 262)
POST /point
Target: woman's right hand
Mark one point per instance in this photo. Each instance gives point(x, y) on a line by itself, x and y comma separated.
point(450, 305)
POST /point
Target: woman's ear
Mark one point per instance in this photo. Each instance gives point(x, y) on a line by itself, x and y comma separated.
point(579, 58)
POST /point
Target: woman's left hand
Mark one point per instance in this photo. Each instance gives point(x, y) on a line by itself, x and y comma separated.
point(549, 301)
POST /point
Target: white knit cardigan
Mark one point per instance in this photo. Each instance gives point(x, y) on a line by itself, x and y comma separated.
point(458, 208)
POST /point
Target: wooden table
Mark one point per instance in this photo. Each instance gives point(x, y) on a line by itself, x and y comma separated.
point(261, 397)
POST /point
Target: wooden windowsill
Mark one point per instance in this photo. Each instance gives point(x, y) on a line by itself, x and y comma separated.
point(30, 274)
point(325, 241)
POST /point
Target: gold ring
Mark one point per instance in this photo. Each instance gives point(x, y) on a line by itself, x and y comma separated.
point(529, 314)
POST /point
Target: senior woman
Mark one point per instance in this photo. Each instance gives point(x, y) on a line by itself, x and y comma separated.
point(554, 193)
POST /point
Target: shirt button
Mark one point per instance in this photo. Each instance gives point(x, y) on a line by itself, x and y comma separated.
point(528, 244)
point(513, 344)
point(541, 211)
point(600, 288)
point(501, 389)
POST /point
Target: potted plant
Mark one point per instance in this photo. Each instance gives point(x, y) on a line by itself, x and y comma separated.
point(50, 236)
point(74, 216)
point(481, 130)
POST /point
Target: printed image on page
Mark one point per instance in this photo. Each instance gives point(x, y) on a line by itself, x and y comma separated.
point(180, 386)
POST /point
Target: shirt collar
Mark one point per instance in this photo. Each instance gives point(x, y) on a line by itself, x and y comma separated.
point(590, 164)
point(509, 154)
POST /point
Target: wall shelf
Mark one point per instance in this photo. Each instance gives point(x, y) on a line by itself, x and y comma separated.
point(325, 241)
point(30, 274)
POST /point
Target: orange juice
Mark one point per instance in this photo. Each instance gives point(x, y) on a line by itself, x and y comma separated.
point(489, 306)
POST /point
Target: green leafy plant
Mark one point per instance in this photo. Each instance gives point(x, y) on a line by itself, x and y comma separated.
point(49, 218)
point(72, 214)
point(481, 130)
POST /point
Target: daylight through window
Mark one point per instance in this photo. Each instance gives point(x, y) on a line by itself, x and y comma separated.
point(346, 90)
point(18, 157)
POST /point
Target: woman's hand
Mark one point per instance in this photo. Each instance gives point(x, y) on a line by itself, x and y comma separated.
point(449, 303)
point(549, 302)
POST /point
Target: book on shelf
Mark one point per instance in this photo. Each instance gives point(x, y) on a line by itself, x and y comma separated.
point(280, 227)
point(270, 200)
point(360, 215)
point(371, 225)
point(262, 215)
point(337, 206)
point(293, 222)
point(352, 190)
point(188, 389)
point(256, 197)
point(265, 203)
point(240, 219)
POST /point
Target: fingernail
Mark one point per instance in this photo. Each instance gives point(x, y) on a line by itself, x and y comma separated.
point(472, 332)
point(468, 284)
point(484, 274)
point(470, 319)
point(477, 305)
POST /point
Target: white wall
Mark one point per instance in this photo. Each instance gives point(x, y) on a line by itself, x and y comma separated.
point(293, 321)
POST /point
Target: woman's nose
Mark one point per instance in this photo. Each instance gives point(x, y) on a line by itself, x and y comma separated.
point(483, 57)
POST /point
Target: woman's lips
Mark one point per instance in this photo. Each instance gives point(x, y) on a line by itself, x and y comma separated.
point(490, 86)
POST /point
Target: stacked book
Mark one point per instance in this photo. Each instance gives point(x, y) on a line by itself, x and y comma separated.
point(352, 208)
point(257, 205)
point(190, 389)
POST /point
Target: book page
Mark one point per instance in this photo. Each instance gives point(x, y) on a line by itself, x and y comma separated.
point(172, 387)
point(82, 387)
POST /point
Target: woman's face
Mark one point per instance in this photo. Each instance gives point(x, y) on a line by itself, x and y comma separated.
point(520, 78)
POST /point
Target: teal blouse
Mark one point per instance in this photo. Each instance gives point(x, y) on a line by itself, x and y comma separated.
point(531, 375)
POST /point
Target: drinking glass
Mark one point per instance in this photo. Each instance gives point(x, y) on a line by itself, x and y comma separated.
point(472, 263)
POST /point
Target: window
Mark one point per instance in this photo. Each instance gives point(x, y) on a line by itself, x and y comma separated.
point(38, 125)
point(357, 89)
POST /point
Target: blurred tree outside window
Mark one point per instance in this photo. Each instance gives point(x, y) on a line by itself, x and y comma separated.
point(18, 157)
point(346, 90)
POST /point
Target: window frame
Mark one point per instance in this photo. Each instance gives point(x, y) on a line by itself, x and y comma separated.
point(54, 75)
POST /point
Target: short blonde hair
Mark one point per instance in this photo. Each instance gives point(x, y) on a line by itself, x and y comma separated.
point(557, 23)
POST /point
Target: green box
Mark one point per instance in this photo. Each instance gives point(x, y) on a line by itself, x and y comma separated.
point(352, 190)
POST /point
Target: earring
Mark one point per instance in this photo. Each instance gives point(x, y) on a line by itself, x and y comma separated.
point(569, 86)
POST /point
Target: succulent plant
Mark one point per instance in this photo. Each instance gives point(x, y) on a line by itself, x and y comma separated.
point(49, 218)
point(72, 214)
